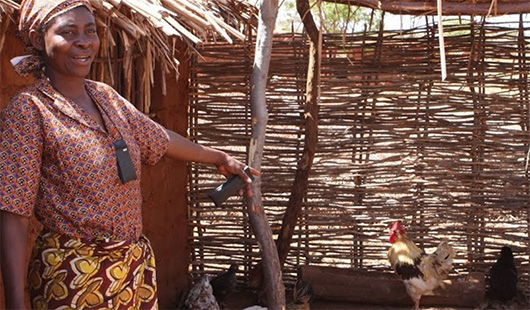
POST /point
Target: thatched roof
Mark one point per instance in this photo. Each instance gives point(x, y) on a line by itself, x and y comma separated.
point(151, 30)
point(7, 7)
point(173, 17)
point(191, 20)
point(449, 7)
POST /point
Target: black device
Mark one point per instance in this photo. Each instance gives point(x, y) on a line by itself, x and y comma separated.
point(126, 169)
point(229, 188)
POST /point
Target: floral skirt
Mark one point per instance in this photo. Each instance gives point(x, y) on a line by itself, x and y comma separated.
point(68, 273)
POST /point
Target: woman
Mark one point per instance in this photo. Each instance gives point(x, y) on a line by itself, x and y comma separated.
point(71, 152)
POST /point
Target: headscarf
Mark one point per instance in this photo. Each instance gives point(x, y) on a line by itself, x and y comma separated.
point(34, 15)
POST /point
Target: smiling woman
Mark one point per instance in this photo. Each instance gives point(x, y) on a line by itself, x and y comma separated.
point(69, 44)
point(71, 154)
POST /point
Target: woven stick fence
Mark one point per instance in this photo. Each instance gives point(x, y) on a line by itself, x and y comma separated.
point(449, 158)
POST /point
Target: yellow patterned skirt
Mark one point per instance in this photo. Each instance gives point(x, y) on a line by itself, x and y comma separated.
point(68, 273)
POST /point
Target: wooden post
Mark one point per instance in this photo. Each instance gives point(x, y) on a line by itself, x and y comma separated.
point(372, 287)
point(260, 226)
point(299, 187)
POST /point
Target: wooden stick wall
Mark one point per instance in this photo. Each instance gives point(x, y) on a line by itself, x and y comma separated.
point(395, 142)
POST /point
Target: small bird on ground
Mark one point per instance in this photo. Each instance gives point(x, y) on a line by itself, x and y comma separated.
point(503, 277)
point(224, 284)
point(302, 298)
point(201, 296)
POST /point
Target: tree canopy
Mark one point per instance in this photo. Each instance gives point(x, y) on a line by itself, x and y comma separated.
point(335, 17)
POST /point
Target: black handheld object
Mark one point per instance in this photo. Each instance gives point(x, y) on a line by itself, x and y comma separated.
point(229, 188)
point(126, 170)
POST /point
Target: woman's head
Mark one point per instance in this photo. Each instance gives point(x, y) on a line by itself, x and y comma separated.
point(62, 32)
point(68, 43)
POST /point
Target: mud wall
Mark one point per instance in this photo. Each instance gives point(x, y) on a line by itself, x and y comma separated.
point(163, 185)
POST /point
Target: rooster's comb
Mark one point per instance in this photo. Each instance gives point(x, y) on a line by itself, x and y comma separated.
point(397, 225)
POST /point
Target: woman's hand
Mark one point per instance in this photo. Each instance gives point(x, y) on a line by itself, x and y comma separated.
point(230, 166)
point(183, 149)
point(13, 246)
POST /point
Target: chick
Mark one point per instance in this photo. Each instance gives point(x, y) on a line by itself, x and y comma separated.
point(224, 284)
point(201, 297)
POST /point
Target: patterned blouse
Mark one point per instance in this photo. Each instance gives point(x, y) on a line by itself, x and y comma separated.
point(58, 164)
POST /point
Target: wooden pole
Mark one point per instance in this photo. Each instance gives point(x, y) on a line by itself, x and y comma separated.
point(372, 287)
point(271, 266)
point(300, 183)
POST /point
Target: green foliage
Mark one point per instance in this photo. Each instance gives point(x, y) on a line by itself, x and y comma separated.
point(337, 18)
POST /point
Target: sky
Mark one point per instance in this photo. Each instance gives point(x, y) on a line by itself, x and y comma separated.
point(396, 22)
point(286, 13)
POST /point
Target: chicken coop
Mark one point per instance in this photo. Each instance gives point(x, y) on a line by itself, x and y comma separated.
point(450, 157)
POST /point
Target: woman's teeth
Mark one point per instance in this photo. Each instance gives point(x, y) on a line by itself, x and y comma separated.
point(82, 59)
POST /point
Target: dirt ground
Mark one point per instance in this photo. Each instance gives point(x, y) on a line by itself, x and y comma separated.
point(330, 305)
point(241, 300)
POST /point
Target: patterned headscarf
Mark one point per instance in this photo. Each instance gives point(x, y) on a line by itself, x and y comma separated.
point(34, 15)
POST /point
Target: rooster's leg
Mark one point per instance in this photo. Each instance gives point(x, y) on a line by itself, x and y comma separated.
point(417, 303)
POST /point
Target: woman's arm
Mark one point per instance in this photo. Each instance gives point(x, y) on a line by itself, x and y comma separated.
point(13, 247)
point(183, 149)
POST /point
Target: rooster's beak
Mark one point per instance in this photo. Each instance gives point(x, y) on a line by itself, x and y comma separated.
point(393, 236)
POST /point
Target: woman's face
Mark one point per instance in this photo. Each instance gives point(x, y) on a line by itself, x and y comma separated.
point(70, 44)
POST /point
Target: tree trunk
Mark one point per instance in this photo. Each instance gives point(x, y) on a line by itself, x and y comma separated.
point(299, 187)
point(259, 223)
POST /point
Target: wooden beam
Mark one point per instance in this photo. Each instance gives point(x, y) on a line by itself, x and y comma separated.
point(372, 287)
point(448, 8)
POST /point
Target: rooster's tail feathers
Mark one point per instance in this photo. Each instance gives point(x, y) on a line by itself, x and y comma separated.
point(444, 252)
point(444, 255)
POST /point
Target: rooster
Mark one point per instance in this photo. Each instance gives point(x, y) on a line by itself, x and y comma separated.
point(420, 272)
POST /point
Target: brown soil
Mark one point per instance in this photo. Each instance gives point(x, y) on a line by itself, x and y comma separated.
point(243, 299)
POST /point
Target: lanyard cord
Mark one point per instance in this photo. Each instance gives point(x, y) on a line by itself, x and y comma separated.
point(101, 109)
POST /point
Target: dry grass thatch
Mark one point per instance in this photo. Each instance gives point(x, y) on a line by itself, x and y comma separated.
point(137, 34)
point(449, 7)
point(7, 7)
